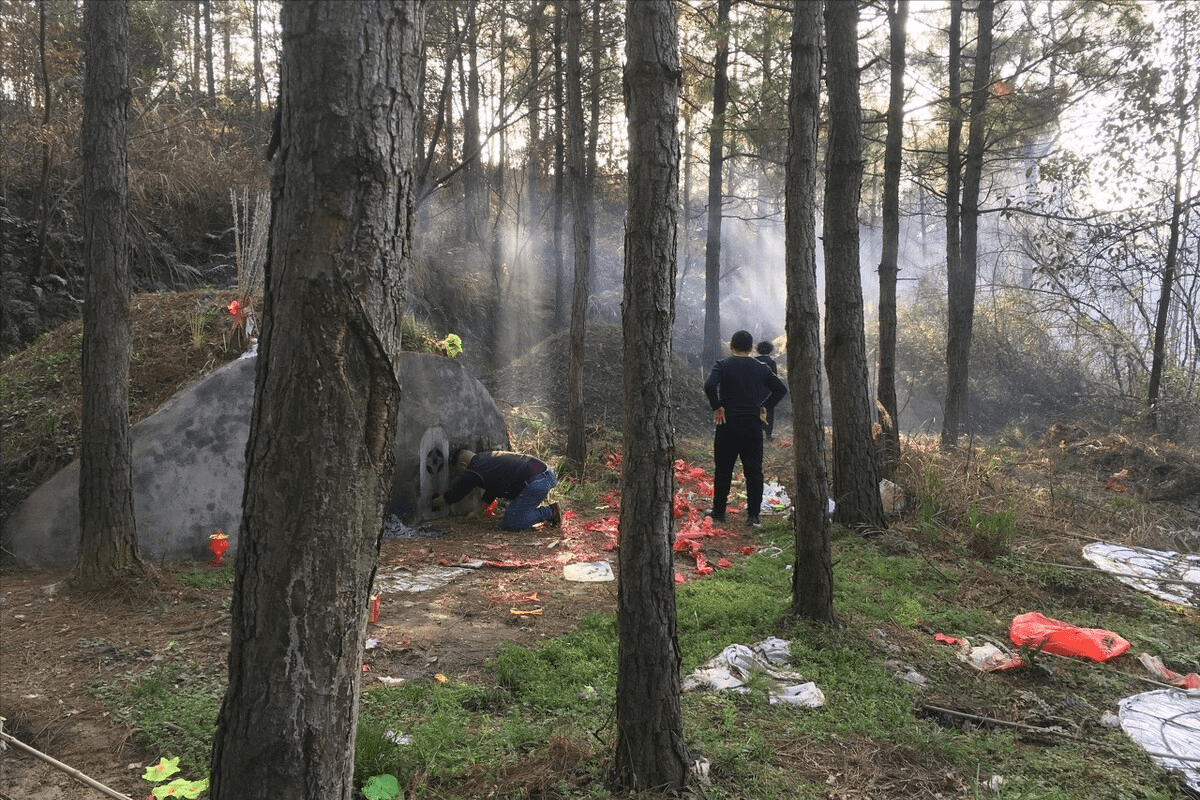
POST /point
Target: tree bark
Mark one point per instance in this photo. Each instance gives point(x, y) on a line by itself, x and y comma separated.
point(960, 284)
point(108, 531)
point(37, 264)
point(951, 418)
point(889, 433)
point(1186, 112)
point(855, 481)
point(561, 278)
point(582, 226)
point(812, 578)
point(650, 751)
point(210, 82)
point(716, 154)
point(476, 201)
point(319, 458)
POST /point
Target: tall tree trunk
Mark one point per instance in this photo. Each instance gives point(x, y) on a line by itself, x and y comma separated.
point(812, 579)
point(259, 81)
point(37, 266)
point(197, 47)
point(960, 282)
point(582, 217)
point(1186, 112)
point(561, 279)
point(533, 164)
point(108, 543)
point(227, 48)
point(209, 79)
point(476, 201)
point(319, 462)
point(889, 268)
point(716, 156)
point(651, 754)
point(855, 473)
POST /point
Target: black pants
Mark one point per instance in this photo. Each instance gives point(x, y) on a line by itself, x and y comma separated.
point(739, 437)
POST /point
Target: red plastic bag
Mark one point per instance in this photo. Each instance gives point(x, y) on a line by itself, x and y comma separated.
point(1064, 639)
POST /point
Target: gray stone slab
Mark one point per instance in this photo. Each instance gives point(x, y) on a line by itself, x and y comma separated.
point(189, 463)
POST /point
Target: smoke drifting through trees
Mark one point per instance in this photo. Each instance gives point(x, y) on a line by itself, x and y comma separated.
point(1073, 235)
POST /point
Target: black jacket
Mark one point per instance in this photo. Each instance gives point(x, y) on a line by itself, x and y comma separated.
point(743, 385)
point(500, 473)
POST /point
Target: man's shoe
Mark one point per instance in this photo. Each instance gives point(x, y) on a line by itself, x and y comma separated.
point(555, 515)
point(755, 522)
point(715, 517)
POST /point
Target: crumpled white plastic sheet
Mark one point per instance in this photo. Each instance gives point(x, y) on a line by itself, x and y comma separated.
point(730, 669)
point(775, 498)
point(401, 580)
point(1171, 576)
point(1166, 724)
point(589, 572)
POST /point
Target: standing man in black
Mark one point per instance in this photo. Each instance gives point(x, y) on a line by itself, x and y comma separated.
point(764, 349)
point(740, 391)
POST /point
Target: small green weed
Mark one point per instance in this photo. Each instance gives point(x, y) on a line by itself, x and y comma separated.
point(173, 707)
point(207, 578)
point(992, 533)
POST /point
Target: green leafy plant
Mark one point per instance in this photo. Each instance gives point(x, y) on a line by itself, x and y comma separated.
point(381, 787)
point(180, 787)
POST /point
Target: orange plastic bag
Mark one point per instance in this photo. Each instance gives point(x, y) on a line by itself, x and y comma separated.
point(1064, 639)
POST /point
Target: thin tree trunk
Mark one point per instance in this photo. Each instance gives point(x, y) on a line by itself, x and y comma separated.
point(561, 279)
point(855, 481)
point(209, 79)
point(812, 579)
point(716, 155)
point(961, 272)
point(319, 460)
point(37, 266)
point(473, 173)
point(108, 532)
point(650, 751)
point(259, 81)
point(889, 434)
point(1186, 112)
point(582, 217)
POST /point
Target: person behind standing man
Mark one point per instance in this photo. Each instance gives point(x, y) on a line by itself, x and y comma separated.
point(764, 349)
point(740, 391)
point(523, 480)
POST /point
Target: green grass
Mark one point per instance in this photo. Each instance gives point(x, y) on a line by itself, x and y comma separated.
point(173, 708)
point(207, 578)
point(549, 711)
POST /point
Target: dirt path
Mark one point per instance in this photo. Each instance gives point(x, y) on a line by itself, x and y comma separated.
point(53, 647)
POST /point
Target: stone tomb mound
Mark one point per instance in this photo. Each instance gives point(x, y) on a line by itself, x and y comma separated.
point(189, 463)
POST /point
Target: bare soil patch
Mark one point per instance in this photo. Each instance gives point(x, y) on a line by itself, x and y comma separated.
point(55, 645)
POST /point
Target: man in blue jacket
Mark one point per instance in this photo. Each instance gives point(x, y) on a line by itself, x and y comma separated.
point(740, 390)
point(523, 480)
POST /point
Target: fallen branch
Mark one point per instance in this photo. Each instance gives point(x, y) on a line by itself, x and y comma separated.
point(993, 721)
point(74, 773)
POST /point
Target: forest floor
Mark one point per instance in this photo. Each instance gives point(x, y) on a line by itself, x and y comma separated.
point(55, 646)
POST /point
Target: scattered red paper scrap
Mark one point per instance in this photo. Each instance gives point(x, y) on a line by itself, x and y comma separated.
point(1063, 639)
point(1156, 666)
